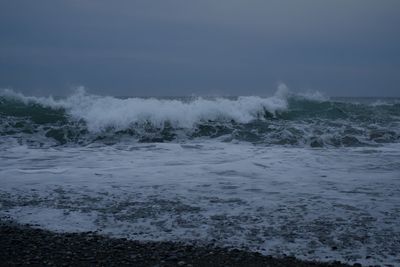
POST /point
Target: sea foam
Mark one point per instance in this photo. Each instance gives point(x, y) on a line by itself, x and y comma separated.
point(102, 112)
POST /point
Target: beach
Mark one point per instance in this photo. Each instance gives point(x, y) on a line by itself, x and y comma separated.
point(24, 245)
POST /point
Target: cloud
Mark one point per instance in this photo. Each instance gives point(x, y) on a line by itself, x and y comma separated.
point(229, 46)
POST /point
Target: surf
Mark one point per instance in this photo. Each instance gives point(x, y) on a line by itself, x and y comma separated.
point(285, 118)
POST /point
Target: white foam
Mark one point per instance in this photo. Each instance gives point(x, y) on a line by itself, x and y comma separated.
point(271, 199)
point(57, 220)
point(381, 102)
point(44, 170)
point(314, 96)
point(101, 113)
point(45, 101)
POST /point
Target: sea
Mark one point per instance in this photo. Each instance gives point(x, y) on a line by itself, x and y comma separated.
point(291, 174)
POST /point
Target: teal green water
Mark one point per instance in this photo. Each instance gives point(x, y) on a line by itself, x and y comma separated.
point(303, 122)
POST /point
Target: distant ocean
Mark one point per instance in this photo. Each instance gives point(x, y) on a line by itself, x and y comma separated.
point(296, 174)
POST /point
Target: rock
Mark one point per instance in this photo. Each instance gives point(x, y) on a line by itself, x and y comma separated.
point(181, 263)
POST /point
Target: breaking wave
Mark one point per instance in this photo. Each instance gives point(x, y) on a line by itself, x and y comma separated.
point(282, 119)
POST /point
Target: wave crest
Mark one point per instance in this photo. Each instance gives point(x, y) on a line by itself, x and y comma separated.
point(101, 113)
point(283, 119)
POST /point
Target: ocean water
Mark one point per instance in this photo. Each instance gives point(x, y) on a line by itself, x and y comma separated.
point(291, 174)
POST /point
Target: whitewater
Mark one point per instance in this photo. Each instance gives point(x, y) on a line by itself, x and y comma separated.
point(291, 174)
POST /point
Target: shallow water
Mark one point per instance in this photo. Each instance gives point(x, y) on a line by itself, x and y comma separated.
point(325, 204)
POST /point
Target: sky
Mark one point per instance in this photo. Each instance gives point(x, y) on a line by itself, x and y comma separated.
point(207, 47)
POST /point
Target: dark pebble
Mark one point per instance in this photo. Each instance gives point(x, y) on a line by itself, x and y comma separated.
point(22, 245)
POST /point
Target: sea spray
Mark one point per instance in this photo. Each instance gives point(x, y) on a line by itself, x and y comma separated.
point(283, 119)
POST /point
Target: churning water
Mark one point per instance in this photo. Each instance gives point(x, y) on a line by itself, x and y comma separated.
point(300, 175)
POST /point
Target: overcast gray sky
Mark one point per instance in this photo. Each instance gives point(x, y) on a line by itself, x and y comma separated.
point(205, 47)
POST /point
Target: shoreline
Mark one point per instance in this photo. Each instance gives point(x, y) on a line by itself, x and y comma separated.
point(25, 245)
